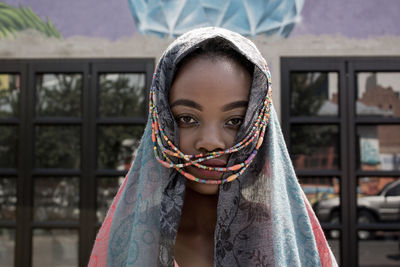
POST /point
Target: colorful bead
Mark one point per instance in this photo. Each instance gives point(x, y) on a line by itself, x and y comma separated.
point(158, 136)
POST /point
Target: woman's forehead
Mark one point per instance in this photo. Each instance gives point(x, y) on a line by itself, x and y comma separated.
point(204, 80)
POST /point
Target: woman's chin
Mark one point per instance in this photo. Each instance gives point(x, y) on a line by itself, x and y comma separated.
point(204, 189)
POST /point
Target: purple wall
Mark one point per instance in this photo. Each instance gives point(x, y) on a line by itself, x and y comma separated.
point(351, 18)
point(112, 19)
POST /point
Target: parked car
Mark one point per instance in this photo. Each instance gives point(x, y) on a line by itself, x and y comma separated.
point(382, 207)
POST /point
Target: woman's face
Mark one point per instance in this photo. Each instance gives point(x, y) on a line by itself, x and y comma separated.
point(208, 99)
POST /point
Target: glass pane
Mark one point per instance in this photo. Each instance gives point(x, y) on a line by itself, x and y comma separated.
point(117, 146)
point(7, 245)
point(324, 195)
point(8, 199)
point(58, 147)
point(56, 247)
point(58, 95)
point(334, 243)
point(9, 95)
point(378, 94)
point(122, 94)
point(314, 94)
point(378, 201)
point(107, 188)
point(56, 199)
point(379, 147)
point(382, 249)
point(315, 147)
point(8, 146)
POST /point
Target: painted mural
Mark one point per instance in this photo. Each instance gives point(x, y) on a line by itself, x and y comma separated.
point(247, 17)
point(15, 19)
point(114, 20)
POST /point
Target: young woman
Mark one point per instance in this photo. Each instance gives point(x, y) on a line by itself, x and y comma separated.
point(212, 183)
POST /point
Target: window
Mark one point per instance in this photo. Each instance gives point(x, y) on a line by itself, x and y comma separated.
point(341, 121)
point(68, 133)
point(394, 192)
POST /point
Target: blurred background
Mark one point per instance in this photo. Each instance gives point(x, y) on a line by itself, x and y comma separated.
point(74, 79)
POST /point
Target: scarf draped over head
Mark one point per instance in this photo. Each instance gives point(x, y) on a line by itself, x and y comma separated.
point(263, 217)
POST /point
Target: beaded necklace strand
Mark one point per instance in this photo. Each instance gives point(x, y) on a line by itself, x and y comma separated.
point(158, 135)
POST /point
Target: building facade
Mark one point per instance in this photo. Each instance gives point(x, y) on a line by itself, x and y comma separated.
point(74, 78)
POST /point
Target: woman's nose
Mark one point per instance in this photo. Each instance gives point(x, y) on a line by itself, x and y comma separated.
point(209, 138)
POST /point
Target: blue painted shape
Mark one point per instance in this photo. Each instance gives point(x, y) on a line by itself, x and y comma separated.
point(171, 18)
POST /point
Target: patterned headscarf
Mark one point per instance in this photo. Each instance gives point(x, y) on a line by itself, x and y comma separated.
point(263, 217)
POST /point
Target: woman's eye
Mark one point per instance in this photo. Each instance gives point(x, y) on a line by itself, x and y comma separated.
point(186, 120)
point(235, 122)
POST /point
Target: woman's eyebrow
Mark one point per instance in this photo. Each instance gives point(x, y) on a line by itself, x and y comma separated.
point(233, 105)
point(186, 102)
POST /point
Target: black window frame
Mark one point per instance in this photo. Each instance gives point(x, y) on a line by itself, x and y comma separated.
point(347, 119)
point(25, 172)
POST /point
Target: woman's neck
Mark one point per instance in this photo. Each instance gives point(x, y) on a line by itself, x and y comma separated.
point(199, 213)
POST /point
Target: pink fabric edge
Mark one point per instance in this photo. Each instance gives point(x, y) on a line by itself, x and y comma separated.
point(98, 257)
point(322, 245)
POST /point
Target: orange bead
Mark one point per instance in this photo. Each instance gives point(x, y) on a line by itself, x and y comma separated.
point(190, 177)
point(259, 143)
point(236, 167)
point(231, 178)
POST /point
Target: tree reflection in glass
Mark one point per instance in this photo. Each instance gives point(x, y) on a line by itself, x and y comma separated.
point(57, 147)
point(58, 94)
point(56, 199)
point(314, 94)
point(117, 145)
point(8, 199)
point(8, 146)
point(315, 146)
point(122, 95)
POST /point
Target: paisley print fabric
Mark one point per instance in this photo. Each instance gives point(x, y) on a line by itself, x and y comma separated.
point(263, 217)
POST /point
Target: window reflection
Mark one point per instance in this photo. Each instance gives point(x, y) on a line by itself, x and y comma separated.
point(314, 93)
point(7, 245)
point(9, 95)
point(315, 147)
point(324, 195)
point(379, 147)
point(58, 147)
point(122, 94)
point(58, 95)
point(8, 146)
point(378, 94)
point(378, 200)
point(381, 250)
point(56, 199)
point(107, 188)
point(8, 199)
point(55, 247)
point(117, 146)
point(334, 243)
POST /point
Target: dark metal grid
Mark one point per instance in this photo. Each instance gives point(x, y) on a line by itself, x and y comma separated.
point(138, 66)
point(16, 67)
point(39, 67)
point(374, 65)
point(25, 173)
point(289, 65)
point(347, 67)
